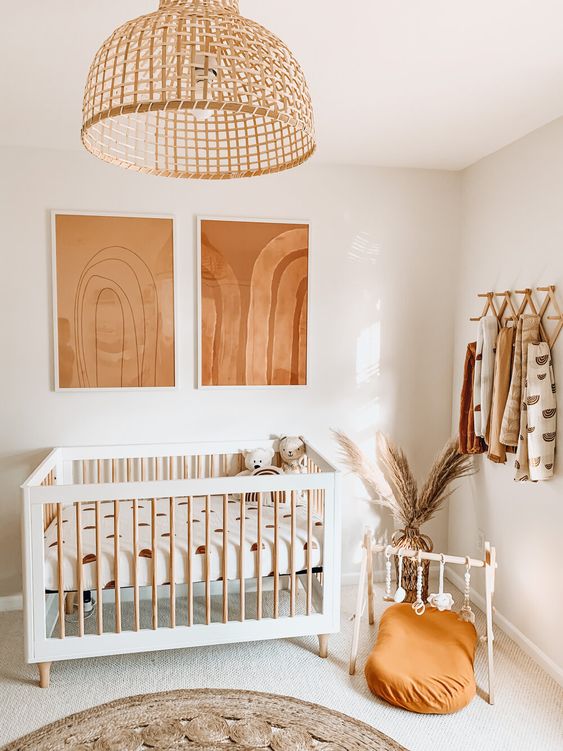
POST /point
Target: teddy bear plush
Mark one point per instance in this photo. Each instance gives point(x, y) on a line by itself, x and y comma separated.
point(293, 454)
point(257, 459)
point(254, 461)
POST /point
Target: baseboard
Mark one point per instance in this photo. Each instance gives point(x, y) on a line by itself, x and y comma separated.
point(350, 580)
point(11, 602)
point(525, 644)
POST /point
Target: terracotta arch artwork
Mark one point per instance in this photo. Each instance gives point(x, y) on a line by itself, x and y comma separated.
point(254, 303)
point(114, 302)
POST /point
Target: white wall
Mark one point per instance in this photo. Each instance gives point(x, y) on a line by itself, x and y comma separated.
point(512, 230)
point(384, 248)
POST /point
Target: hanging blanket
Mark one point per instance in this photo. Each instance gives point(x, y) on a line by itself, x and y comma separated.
point(527, 331)
point(469, 443)
point(484, 371)
point(541, 403)
point(501, 386)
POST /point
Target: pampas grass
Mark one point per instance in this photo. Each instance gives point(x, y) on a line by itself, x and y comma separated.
point(391, 483)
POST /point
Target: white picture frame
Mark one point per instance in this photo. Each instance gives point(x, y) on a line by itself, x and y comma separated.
point(54, 301)
point(199, 364)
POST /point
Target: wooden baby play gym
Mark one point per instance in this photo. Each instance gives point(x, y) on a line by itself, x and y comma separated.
point(423, 659)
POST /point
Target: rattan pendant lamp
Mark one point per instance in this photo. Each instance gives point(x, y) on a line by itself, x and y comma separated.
point(195, 90)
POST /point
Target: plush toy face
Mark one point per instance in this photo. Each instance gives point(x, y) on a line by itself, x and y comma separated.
point(258, 458)
point(292, 449)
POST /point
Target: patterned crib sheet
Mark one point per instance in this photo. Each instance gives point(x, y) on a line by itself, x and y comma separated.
point(198, 558)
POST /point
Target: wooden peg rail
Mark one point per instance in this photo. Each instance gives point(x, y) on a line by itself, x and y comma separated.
point(506, 307)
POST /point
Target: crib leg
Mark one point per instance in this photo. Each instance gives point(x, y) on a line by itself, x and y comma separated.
point(44, 674)
point(323, 645)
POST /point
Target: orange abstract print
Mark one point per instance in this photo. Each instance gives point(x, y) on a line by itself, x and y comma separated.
point(254, 294)
point(115, 301)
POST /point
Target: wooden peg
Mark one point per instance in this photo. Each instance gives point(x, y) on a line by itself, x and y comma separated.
point(489, 296)
point(500, 311)
point(551, 299)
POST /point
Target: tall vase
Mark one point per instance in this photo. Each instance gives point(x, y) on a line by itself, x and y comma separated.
point(411, 538)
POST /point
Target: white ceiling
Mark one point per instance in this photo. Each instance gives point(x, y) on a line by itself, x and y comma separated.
point(417, 83)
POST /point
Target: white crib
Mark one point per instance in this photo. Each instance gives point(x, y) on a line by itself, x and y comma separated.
point(176, 550)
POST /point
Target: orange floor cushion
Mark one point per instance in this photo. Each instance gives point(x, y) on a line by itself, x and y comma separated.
point(423, 663)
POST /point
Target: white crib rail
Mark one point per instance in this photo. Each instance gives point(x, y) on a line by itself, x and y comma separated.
point(119, 476)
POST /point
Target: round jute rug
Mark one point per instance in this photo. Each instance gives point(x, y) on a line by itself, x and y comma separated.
point(207, 720)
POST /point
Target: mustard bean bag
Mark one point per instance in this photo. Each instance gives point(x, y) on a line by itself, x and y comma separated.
point(423, 663)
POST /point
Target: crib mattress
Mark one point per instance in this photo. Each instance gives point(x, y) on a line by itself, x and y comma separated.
point(198, 556)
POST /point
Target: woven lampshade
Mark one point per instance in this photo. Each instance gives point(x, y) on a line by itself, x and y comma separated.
point(195, 90)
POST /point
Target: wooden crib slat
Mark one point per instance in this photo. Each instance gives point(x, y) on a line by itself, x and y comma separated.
point(116, 572)
point(190, 568)
point(172, 571)
point(60, 567)
point(241, 558)
point(136, 608)
point(79, 577)
point(154, 568)
point(99, 582)
point(293, 580)
point(207, 561)
point(309, 553)
point(276, 556)
point(259, 559)
point(225, 558)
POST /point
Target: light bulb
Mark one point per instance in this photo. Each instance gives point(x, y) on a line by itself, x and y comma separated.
point(201, 115)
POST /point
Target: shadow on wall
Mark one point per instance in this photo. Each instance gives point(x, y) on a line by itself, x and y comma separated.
point(14, 469)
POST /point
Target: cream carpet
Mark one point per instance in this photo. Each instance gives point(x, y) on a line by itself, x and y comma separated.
point(527, 715)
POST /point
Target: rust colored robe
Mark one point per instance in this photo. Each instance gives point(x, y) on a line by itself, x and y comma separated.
point(469, 443)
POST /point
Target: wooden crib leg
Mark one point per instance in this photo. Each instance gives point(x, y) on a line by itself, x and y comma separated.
point(323, 645)
point(44, 674)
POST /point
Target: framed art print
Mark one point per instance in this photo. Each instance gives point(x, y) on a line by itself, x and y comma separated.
point(114, 301)
point(253, 280)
